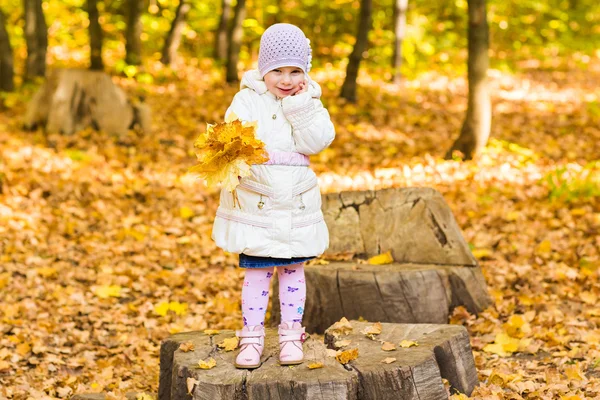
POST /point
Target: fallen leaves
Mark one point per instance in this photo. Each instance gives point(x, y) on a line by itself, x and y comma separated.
point(388, 346)
point(187, 346)
point(207, 364)
point(229, 344)
point(344, 357)
point(405, 344)
point(388, 360)
point(381, 259)
point(372, 330)
point(342, 327)
point(315, 365)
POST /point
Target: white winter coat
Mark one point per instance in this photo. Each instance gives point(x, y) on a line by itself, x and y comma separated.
point(290, 222)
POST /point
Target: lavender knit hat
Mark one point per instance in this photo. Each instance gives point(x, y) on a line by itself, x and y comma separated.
point(284, 45)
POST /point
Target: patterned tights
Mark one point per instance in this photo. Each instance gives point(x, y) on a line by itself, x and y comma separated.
point(255, 293)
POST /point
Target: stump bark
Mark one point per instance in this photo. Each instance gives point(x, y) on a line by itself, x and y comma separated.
point(443, 352)
point(434, 270)
point(74, 99)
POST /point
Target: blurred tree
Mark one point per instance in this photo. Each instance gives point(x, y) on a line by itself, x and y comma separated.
point(221, 35)
point(364, 26)
point(7, 83)
point(235, 41)
point(95, 36)
point(400, 8)
point(36, 36)
point(475, 131)
point(133, 35)
point(169, 51)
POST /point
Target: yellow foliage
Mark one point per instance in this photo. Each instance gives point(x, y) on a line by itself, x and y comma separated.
point(229, 344)
point(164, 307)
point(345, 357)
point(227, 150)
point(372, 330)
point(517, 327)
point(315, 365)
point(187, 346)
point(408, 343)
point(381, 259)
point(211, 332)
point(503, 345)
point(207, 364)
point(342, 327)
point(105, 292)
point(387, 346)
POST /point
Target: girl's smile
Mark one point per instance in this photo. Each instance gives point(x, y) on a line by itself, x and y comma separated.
point(284, 81)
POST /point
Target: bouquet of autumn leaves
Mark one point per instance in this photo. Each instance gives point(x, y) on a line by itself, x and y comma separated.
point(226, 151)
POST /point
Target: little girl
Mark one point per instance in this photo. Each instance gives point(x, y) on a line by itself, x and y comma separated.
point(276, 220)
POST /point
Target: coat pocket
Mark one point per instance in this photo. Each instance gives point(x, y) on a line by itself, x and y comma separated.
point(306, 197)
point(254, 197)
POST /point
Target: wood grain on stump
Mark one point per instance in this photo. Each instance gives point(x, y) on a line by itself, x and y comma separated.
point(433, 270)
point(74, 99)
point(443, 352)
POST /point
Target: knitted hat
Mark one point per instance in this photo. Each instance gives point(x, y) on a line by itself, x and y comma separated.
point(284, 45)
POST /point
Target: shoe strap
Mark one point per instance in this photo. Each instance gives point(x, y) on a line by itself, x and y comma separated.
point(298, 336)
point(283, 331)
point(250, 334)
point(251, 340)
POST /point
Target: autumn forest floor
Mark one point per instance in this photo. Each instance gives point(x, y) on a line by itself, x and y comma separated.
point(105, 243)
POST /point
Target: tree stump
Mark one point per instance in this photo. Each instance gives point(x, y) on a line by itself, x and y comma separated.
point(74, 99)
point(443, 352)
point(433, 270)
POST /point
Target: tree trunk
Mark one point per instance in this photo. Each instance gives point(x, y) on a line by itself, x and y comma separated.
point(36, 36)
point(443, 352)
point(221, 34)
point(169, 51)
point(133, 47)
point(74, 99)
point(475, 131)
point(364, 26)
point(433, 270)
point(399, 33)
point(235, 41)
point(7, 83)
point(95, 36)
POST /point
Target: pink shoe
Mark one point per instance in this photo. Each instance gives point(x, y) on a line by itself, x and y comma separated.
point(291, 337)
point(252, 343)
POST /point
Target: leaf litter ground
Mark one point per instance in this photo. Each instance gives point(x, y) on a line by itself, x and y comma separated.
point(106, 250)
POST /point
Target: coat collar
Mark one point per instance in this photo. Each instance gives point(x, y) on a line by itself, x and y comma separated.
point(253, 80)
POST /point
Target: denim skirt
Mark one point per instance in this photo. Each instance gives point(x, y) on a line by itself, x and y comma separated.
point(267, 262)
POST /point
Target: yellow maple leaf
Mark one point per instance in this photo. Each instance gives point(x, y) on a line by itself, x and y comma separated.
point(187, 346)
point(229, 344)
point(372, 330)
point(385, 258)
point(342, 343)
point(143, 396)
point(211, 331)
point(345, 357)
point(387, 346)
point(186, 213)
point(516, 326)
point(341, 327)
point(574, 372)
point(315, 365)
point(104, 292)
point(503, 345)
point(207, 364)
point(191, 382)
point(164, 307)
point(227, 150)
point(408, 343)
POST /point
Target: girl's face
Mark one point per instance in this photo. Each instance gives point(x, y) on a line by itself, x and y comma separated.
point(284, 81)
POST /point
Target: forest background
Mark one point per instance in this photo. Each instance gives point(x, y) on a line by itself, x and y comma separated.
point(105, 240)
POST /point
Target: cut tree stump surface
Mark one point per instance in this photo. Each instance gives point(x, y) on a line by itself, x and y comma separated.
point(443, 352)
point(404, 293)
point(433, 270)
point(415, 224)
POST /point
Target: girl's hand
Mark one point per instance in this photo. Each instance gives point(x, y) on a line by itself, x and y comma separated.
point(302, 88)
